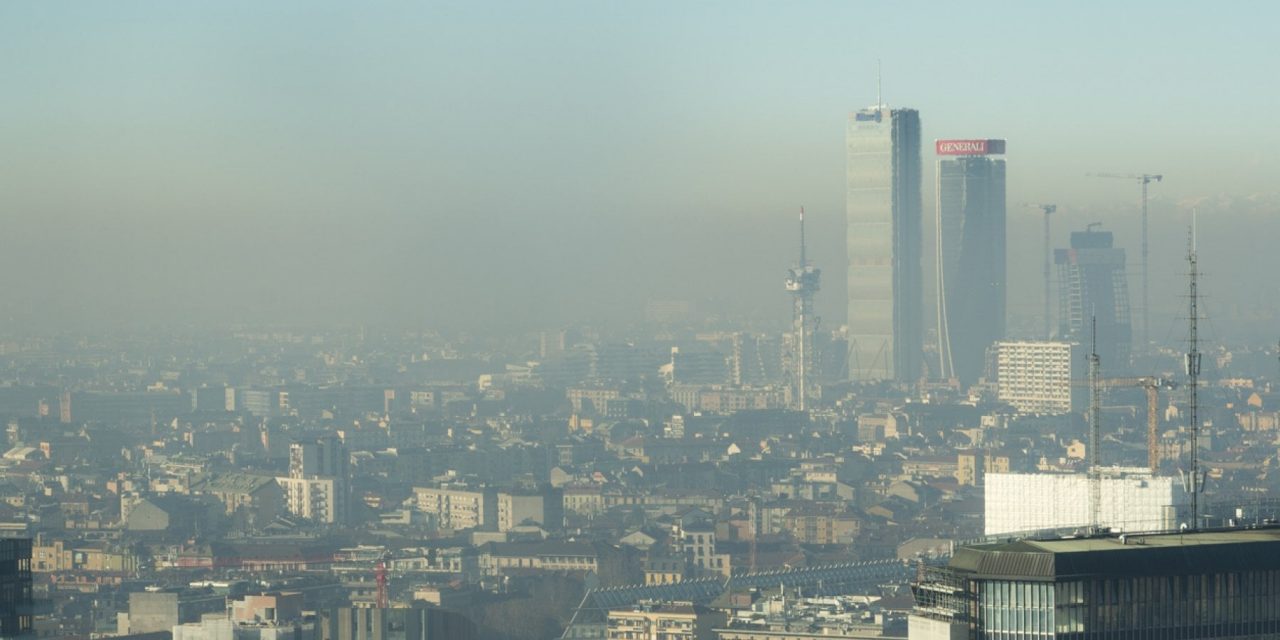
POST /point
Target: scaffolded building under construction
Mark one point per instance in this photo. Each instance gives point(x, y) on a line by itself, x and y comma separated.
point(1093, 285)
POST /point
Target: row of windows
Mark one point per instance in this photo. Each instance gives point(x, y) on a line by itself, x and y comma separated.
point(1217, 605)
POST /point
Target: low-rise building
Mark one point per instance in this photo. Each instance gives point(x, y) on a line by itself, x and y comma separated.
point(409, 623)
point(261, 494)
point(653, 621)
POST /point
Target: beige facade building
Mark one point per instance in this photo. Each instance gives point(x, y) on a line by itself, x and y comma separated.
point(319, 499)
point(459, 508)
point(653, 621)
point(1035, 376)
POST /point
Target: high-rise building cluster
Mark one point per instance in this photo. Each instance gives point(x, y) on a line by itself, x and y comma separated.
point(885, 231)
point(970, 257)
point(693, 476)
point(885, 330)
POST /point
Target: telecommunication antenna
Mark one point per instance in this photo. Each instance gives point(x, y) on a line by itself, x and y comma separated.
point(803, 281)
point(879, 102)
point(1095, 438)
point(1193, 379)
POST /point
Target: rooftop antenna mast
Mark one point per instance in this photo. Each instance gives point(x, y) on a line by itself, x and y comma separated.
point(879, 102)
point(1095, 419)
point(802, 283)
point(804, 262)
point(1193, 377)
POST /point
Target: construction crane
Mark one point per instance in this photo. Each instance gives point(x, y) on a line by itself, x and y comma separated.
point(1144, 179)
point(1047, 209)
point(380, 577)
point(1152, 385)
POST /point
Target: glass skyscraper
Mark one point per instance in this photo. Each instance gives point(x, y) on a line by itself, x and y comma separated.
point(970, 260)
point(1092, 284)
point(883, 223)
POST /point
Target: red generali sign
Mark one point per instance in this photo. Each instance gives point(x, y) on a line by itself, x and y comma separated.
point(968, 147)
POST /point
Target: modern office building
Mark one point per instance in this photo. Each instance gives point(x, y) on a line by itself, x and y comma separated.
point(1131, 499)
point(1035, 376)
point(1093, 285)
point(15, 587)
point(1203, 584)
point(970, 255)
point(884, 242)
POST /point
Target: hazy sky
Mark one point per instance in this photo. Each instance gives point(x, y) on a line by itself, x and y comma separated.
point(525, 164)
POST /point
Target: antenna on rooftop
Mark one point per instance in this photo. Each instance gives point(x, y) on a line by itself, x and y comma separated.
point(1193, 377)
point(1095, 439)
point(879, 102)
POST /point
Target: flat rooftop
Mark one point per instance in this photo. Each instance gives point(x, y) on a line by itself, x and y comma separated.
point(1154, 554)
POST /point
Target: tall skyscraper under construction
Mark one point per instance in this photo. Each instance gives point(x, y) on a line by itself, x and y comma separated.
point(970, 260)
point(1092, 284)
point(883, 220)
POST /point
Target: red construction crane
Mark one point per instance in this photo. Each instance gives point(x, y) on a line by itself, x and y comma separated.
point(380, 576)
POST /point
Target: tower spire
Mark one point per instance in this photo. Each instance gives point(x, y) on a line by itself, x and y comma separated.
point(802, 284)
point(803, 261)
point(879, 102)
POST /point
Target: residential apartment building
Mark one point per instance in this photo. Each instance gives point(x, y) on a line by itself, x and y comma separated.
point(457, 507)
point(1036, 376)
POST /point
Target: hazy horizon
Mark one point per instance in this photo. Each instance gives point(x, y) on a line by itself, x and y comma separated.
point(522, 167)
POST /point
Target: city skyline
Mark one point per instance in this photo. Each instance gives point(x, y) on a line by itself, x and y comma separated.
point(263, 151)
point(487, 320)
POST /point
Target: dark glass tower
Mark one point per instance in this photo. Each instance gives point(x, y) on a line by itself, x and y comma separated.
point(1092, 284)
point(883, 223)
point(15, 587)
point(970, 263)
